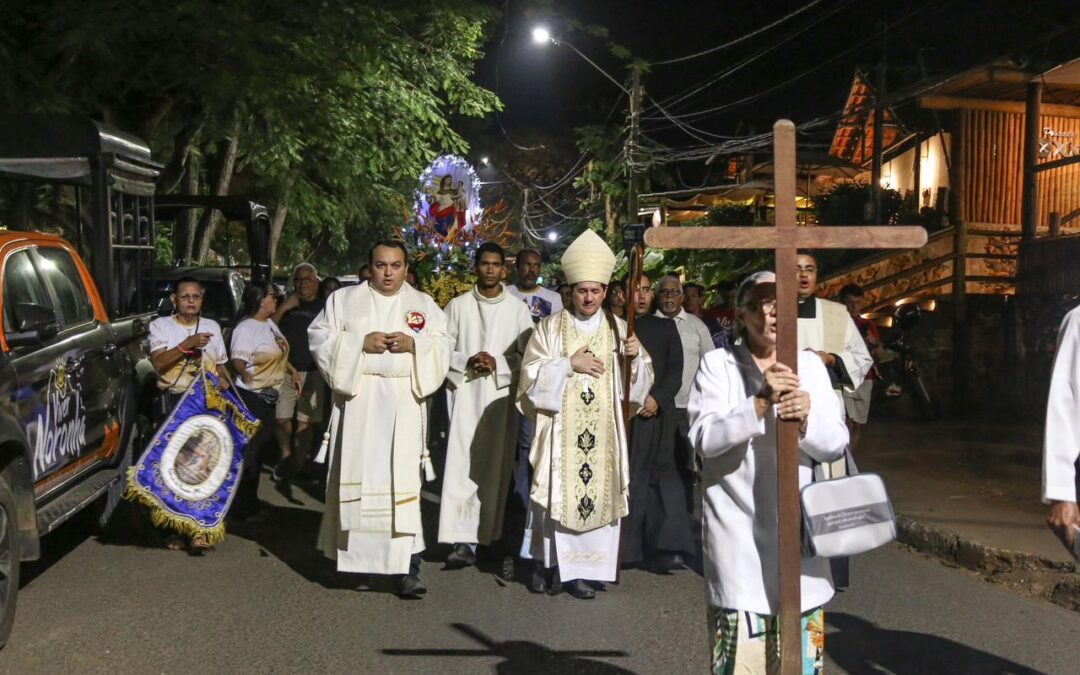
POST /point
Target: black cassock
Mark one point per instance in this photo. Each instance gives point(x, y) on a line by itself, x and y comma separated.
point(658, 521)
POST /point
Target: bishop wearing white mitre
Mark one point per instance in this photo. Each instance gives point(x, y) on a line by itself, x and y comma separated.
point(571, 385)
point(381, 345)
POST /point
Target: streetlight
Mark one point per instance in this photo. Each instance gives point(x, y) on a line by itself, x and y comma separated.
point(542, 36)
point(552, 236)
point(485, 161)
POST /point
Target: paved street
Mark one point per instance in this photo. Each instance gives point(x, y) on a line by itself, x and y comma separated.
point(266, 602)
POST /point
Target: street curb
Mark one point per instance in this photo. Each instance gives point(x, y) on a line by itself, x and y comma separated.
point(1030, 574)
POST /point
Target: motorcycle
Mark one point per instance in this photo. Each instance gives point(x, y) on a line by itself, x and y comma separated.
point(899, 368)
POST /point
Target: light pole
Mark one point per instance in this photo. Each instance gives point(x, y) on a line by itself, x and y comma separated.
point(542, 36)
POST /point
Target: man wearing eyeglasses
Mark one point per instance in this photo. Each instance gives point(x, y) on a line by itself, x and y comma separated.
point(305, 401)
point(826, 328)
point(696, 343)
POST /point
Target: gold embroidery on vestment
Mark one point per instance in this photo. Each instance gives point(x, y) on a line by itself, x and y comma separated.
point(587, 433)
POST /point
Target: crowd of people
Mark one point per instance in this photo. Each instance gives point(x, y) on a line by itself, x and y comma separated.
point(545, 462)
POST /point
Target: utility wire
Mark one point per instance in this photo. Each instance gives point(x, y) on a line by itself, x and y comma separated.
point(737, 40)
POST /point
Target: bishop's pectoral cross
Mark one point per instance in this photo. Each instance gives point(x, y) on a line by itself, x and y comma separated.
point(785, 239)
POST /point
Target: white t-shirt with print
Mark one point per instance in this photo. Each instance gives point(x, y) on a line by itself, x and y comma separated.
point(166, 332)
point(542, 302)
point(260, 345)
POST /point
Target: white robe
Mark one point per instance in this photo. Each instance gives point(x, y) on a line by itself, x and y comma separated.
point(545, 372)
point(840, 337)
point(377, 434)
point(738, 450)
point(1061, 444)
point(483, 419)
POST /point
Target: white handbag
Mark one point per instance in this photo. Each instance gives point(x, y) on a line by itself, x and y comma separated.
point(847, 515)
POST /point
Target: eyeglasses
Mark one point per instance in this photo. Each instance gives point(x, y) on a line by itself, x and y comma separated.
point(766, 306)
point(670, 293)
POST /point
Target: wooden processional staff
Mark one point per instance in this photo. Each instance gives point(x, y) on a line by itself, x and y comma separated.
point(785, 240)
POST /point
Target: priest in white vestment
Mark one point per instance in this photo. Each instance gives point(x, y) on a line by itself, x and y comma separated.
point(382, 348)
point(487, 329)
point(826, 328)
point(737, 397)
point(571, 385)
point(1061, 445)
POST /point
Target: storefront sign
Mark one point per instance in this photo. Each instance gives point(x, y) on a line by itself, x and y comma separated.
point(1058, 144)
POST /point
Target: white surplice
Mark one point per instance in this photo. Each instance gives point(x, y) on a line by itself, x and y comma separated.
point(545, 373)
point(483, 419)
point(832, 330)
point(1061, 444)
point(377, 434)
point(738, 475)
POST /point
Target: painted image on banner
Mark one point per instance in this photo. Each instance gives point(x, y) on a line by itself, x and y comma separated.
point(197, 457)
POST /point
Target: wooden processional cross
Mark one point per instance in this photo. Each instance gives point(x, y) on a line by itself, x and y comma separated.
point(785, 239)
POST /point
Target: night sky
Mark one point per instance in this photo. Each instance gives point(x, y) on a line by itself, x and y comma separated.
point(551, 89)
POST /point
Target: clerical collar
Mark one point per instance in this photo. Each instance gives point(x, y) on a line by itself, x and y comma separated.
point(807, 309)
point(590, 323)
point(381, 295)
point(491, 301)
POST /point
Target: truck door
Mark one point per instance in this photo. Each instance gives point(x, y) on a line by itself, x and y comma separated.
point(67, 386)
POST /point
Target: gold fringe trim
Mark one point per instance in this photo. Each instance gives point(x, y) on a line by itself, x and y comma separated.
point(161, 518)
point(215, 401)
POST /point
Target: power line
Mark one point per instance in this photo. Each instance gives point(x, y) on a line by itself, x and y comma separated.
point(705, 84)
point(738, 40)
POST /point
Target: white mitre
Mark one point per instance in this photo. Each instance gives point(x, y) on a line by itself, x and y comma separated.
point(588, 259)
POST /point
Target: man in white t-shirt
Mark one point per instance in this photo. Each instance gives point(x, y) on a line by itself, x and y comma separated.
point(542, 302)
point(184, 341)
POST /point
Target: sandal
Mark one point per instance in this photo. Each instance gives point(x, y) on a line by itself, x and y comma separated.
point(175, 542)
point(199, 545)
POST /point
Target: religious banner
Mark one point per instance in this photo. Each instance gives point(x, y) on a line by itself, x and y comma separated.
point(190, 471)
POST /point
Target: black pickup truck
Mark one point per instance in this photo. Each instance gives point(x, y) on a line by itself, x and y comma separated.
point(76, 385)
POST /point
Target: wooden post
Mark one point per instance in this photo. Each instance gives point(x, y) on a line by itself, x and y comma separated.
point(785, 239)
point(1029, 208)
point(1055, 224)
point(916, 173)
point(958, 194)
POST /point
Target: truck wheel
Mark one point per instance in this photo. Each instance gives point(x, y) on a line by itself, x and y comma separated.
point(9, 561)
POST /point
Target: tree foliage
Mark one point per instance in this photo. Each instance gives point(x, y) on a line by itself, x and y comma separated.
point(331, 109)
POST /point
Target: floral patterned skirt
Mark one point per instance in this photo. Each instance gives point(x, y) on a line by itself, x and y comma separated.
point(745, 643)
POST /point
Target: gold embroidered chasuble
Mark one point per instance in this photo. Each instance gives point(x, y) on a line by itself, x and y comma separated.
point(579, 451)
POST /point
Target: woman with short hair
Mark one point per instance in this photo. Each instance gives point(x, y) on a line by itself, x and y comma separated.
point(738, 395)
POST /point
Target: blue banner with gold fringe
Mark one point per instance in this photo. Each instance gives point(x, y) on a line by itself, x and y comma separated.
point(190, 471)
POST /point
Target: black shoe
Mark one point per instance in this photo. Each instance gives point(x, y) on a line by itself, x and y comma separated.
point(538, 581)
point(364, 582)
point(665, 563)
point(507, 568)
point(580, 589)
point(281, 469)
point(410, 586)
point(460, 556)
